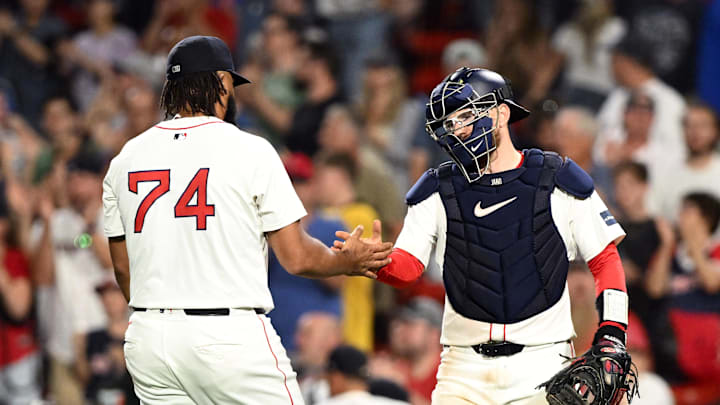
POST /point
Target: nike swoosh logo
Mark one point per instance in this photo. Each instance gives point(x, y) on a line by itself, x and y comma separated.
point(481, 212)
point(474, 148)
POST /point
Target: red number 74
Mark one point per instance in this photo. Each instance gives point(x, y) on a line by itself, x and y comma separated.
point(198, 185)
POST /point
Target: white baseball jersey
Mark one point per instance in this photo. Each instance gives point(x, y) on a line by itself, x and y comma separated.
point(194, 198)
point(584, 226)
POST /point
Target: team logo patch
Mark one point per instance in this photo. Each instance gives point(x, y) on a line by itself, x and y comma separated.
point(180, 136)
point(175, 69)
point(608, 218)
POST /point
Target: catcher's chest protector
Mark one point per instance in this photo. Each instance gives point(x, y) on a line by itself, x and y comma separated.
point(505, 260)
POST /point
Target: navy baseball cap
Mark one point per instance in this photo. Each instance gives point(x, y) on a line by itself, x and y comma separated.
point(201, 54)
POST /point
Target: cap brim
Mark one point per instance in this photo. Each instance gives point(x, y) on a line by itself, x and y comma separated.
point(237, 79)
point(517, 112)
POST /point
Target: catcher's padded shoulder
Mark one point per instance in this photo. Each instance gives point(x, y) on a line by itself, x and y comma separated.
point(572, 179)
point(426, 185)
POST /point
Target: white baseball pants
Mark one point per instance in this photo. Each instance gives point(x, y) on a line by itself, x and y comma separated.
point(466, 377)
point(178, 359)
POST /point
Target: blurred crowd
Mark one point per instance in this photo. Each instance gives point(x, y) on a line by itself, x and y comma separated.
point(629, 89)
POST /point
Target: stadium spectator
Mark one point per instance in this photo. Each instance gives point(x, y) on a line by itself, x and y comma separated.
point(637, 144)
point(19, 142)
point(340, 134)
point(585, 44)
point(336, 191)
point(695, 267)
point(626, 111)
point(62, 129)
point(101, 363)
point(515, 37)
point(644, 233)
point(414, 349)
point(347, 376)
point(19, 352)
point(699, 171)
point(390, 119)
point(316, 335)
point(356, 30)
point(272, 68)
point(141, 108)
point(70, 256)
point(316, 74)
point(463, 52)
point(294, 296)
point(27, 54)
point(95, 53)
point(688, 274)
point(574, 131)
point(647, 238)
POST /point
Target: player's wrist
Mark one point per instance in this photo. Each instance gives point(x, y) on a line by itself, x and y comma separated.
point(610, 332)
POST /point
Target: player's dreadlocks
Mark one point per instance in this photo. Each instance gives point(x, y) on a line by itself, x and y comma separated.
point(194, 92)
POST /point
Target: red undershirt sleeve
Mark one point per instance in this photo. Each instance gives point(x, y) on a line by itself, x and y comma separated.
point(404, 269)
point(607, 269)
point(611, 291)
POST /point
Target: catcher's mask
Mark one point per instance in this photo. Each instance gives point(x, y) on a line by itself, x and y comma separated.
point(466, 98)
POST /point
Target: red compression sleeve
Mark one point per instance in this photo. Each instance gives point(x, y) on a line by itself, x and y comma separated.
point(402, 271)
point(608, 271)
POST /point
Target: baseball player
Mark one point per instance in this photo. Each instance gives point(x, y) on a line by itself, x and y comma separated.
point(503, 225)
point(190, 208)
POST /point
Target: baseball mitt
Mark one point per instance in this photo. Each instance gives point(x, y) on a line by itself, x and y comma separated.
point(601, 376)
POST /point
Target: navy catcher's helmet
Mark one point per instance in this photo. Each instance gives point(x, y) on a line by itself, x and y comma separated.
point(474, 92)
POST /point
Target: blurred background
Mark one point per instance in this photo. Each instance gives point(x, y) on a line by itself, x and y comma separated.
point(629, 89)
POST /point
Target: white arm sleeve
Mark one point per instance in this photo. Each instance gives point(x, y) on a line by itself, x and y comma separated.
point(278, 204)
point(420, 230)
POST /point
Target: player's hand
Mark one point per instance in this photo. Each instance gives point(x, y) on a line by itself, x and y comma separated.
point(366, 255)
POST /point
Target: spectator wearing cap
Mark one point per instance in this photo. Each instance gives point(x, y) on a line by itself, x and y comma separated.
point(631, 64)
point(69, 257)
point(294, 296)
point(19, 353)
point(389, 117)
point(463, 52)
point(348, 378)
point(700, 169)
point(100, 362)
point(414, 350)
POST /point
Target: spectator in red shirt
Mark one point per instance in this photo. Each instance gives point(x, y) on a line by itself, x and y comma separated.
point(415, 352)
point(19, 358)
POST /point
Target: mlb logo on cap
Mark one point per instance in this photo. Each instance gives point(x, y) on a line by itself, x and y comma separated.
point(175, 68)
